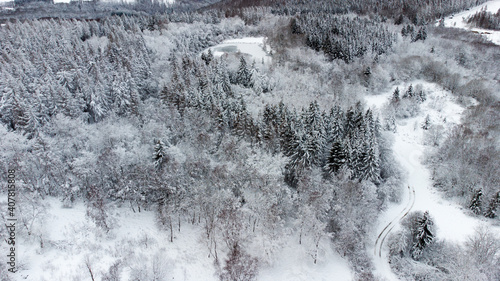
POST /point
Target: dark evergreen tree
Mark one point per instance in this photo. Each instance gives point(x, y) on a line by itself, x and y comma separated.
point(159, 156)
point(243, 75)
point(336, 126)
point(420, 35)
point(221, 82)
point(369, 165)
point(396, 96)
point(337, 157)
point(427, 122)
point(409, 93)
point(492, 210)
point(476, 202)
point(422, 236)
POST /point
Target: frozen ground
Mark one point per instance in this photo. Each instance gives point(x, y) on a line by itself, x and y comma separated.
point(452, 222)
point(255, 47)
point(457, 20)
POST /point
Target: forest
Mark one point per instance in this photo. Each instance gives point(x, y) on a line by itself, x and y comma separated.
point(119, 108)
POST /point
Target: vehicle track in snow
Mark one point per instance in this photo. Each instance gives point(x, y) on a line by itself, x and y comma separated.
point(379, 243)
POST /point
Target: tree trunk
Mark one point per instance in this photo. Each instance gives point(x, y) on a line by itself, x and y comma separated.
point(171, 230)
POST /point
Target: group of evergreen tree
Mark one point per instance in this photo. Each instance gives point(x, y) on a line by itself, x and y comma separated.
point(485, 19)
point(488, 209)
point(342, 37)
point(337, 140)
point(311, 137)
point(409, 94)
point(406, 104)
point(416, 11)
point(410, 31)
point(83, 69)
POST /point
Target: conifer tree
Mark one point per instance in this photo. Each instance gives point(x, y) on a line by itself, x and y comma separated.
point(337, 157)
point(243, 75)
point(423, 235)
point(476, 202)
point(409, 92)
point(492, 210)
point(220, 81)
point(208, 57)
point(337, 124)
point(395, 96)
point(427, 122)
point(159, 156)
point(369, 165)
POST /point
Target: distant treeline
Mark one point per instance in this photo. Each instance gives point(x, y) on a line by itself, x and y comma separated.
point(416, 11)
point(485, 19)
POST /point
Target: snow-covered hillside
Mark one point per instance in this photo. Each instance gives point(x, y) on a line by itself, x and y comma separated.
point(71, 244)
point(411, 142)
point(458, 20)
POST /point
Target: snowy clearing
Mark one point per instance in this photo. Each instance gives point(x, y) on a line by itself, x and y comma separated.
point(452, 222)
point(295, 264)
point(458, 20)
point(255, 47)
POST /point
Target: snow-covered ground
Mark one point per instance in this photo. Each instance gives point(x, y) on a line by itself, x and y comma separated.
point(70, 240)
point(458, 20)
point(296, 264)
point(256, 47)
point(452, 221)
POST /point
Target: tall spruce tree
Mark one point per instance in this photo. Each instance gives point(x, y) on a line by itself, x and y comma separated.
point(337, 158)
point(492, 210)
point(243, 75)
point(369, 165)
point(476, 202)
point(395, 96)
point(159, 156)
point(422, 236)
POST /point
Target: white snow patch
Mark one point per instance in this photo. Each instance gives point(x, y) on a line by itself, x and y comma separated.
point(70, 238)
point(458, 20)
point(295, 264)
point(256, 47)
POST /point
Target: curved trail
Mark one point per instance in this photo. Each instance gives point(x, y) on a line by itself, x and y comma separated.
point(379, 243)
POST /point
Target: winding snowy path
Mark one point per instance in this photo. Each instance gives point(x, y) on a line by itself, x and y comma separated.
point(409, 147)
point(390, 226)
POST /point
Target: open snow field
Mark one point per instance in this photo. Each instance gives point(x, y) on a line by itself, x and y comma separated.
point(458, 20)
point(451, 220)
point(255, 47)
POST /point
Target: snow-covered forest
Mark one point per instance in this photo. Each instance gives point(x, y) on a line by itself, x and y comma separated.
point(249, 140)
